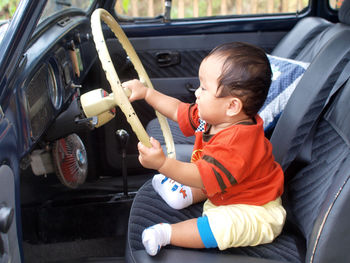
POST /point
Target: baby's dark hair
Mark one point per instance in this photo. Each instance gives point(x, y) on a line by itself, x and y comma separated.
point(246, 74)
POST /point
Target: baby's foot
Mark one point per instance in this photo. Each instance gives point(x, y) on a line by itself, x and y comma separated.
point(155, 237)
point(176, 195)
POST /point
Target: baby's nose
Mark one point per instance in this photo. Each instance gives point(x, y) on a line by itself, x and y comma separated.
point(197, 93)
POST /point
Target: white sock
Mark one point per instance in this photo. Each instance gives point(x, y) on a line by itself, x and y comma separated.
point(155, 237)
point(176, 195)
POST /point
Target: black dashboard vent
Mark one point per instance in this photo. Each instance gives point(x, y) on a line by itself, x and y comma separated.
point(65, 21)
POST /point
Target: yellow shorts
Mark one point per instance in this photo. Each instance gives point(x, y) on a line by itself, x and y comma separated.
point(245, 225)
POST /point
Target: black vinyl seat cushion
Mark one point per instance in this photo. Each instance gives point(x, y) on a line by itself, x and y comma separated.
point(149, 208)
point(153, 128)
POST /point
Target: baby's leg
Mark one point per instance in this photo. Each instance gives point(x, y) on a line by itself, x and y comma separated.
point(176, 195)
point(192, 233)
point(186, 234)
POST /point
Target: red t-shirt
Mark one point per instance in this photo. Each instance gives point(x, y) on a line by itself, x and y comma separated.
point(236, 164)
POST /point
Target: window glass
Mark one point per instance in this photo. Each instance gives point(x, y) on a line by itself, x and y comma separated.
point(53, 7)
point(335, 4)
point(140, 8)
point(206, 8)
point(7, 8)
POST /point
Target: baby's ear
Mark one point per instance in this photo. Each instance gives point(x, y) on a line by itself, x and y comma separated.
point(235, 107)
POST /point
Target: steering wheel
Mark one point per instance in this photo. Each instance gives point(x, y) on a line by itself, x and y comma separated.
point(119, 93)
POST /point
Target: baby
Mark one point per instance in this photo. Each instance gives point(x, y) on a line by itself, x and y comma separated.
point(232, 166)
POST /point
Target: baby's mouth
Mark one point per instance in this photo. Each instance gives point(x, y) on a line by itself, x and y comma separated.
point(199, 111)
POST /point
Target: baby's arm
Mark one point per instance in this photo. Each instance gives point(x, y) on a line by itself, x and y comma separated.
point(164, 104)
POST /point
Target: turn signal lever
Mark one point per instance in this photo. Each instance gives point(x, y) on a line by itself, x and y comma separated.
point(101, 104)
point(98, 103)
point(91, 110)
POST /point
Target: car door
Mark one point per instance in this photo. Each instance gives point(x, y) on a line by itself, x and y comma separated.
point(12, 46)
point(9, 245)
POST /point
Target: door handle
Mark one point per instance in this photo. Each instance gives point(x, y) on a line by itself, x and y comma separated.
point(6, 218)
point(190, 87)
point(168, 58)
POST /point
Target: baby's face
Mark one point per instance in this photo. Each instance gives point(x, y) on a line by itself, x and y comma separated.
point(211, 109)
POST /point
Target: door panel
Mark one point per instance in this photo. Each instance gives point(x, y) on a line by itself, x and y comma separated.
point(9, 213)
point(170, 61)
point(9, 250)
point(190, 51)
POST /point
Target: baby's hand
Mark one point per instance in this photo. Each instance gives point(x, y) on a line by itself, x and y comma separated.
point(152, 158)
point(138, 90)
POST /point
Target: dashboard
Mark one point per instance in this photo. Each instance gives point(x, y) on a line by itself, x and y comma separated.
point(56, 63)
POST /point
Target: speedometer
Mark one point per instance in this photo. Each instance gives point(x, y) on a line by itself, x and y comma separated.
point(54, 91)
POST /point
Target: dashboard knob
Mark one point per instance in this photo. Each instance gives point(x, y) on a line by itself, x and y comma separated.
point(71, 45)
point(77, 38)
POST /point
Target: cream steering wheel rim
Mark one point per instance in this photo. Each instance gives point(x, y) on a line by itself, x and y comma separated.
point(119, 95)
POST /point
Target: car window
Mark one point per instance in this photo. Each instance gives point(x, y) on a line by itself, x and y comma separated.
point(186, 9)
point(7, 9)
point(335, 4)
point(54, 6)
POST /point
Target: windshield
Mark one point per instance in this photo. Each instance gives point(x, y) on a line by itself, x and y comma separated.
point(52, 7)
point(7, 9)
point(56, 6)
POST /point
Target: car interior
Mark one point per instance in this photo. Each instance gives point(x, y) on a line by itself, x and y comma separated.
point(84, 196)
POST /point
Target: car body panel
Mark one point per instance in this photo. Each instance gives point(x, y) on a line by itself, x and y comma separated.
point(9, 195)
point(182, 44)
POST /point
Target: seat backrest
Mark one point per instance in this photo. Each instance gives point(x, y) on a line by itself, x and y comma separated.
point(309, 98)
point(310, 34)
point(328, 53)
point(309, 51)
point(318, 195)
point(302, 33)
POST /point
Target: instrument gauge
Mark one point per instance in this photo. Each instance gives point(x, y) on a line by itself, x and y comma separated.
point(53, 86)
